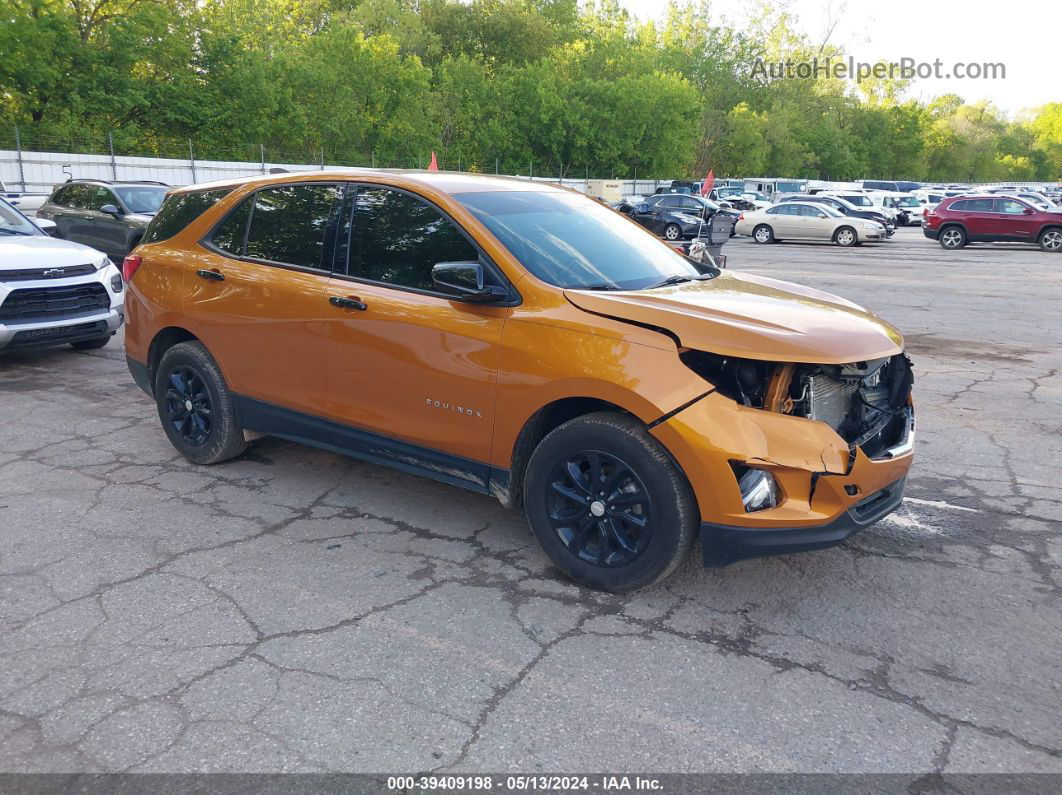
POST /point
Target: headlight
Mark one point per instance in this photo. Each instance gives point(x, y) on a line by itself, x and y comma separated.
point(103, 263)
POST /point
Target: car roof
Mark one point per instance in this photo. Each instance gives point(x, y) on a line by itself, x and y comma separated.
point(452, 182)
point(120, 182)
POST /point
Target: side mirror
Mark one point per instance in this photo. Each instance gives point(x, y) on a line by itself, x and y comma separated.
point(821, 215)
point(641, 207)
point(1029, 211)
point(110, 209)
point(465, 281)
point(47, 225)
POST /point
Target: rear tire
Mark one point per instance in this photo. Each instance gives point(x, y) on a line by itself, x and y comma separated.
point(1051, 240)
point(195, 405)
point(952, 238)
point(608, 505)
point(90, 345)
point(763, 234)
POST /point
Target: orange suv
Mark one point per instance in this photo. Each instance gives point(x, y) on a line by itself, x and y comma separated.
point(521, 340)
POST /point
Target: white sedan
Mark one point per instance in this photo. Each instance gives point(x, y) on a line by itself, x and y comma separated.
point(54, 292)
point(807, 221)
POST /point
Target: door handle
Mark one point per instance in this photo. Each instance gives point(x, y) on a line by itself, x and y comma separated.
point(214, 276)
point(348, 302)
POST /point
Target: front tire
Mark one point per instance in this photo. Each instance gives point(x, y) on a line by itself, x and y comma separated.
point(952, 238)
point(672, 232)
point(608, 505)
point(763, 234)
point(196, 407)
point(845, 237)
point(1051, 240)
point(90, 345)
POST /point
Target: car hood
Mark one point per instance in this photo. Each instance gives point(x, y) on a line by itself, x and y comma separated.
point(753, 317)
point(18, 252)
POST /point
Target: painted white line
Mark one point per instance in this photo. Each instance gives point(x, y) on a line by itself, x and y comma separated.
point(940, 504)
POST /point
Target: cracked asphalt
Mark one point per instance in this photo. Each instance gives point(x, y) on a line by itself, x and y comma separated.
point(299, 611)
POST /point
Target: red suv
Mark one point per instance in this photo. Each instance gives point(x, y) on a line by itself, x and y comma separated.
point(988, 219)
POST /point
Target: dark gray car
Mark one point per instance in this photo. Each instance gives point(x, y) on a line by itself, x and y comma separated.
point(109, 216)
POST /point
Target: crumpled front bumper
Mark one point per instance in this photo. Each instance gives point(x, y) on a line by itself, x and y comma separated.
point(723, 544)
point(829, 490)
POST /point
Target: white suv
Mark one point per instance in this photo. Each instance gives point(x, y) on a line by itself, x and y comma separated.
point(54, 292)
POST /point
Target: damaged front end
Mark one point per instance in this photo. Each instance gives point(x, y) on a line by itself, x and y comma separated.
point(868, 404)
point(813, 452)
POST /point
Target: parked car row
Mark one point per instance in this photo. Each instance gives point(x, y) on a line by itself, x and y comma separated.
point(674, 216)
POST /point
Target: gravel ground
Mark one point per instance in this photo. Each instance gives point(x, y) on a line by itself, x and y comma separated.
point(295, 610)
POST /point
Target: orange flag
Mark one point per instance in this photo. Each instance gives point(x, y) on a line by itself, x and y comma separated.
point(434, 164)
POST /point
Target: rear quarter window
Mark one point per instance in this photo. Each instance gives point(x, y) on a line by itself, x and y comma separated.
point(179, 210)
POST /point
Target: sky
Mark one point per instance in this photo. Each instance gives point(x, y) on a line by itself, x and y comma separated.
point(1021, 34)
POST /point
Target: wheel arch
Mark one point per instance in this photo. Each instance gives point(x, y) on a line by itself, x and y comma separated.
point(162, 342)
point(953, 222)
point(546, 419)
point(536, 428)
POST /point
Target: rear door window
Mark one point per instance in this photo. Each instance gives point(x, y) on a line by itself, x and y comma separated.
point(1010, 207)
point(397, 239)
point(973, 206)
point(290, 224)
point(231, 233)
point(179, 210)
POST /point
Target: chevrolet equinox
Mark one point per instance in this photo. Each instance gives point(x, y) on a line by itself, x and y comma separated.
point(521, 340)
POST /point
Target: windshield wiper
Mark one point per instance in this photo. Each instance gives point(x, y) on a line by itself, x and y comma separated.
point(598, 286)
point(676, 279)
point(14, 231)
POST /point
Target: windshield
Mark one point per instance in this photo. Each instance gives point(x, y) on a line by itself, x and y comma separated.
point(908, 201)
point(12, 222)
point(859, 200)
point(570, 241)
point(145, 199)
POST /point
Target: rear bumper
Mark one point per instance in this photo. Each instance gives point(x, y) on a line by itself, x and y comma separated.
point(140, 374)
point(725, 544)
point(932, 234)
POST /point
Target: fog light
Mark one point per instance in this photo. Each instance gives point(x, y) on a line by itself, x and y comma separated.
point(759, 491)
point(116, 283)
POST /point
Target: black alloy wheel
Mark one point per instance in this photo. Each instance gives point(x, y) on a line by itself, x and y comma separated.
point(600, 509)
point(188, 406)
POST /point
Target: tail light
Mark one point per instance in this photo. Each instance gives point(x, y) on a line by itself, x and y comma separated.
point(130, 265)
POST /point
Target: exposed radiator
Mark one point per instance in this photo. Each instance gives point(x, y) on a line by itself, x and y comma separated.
point(830, 400)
